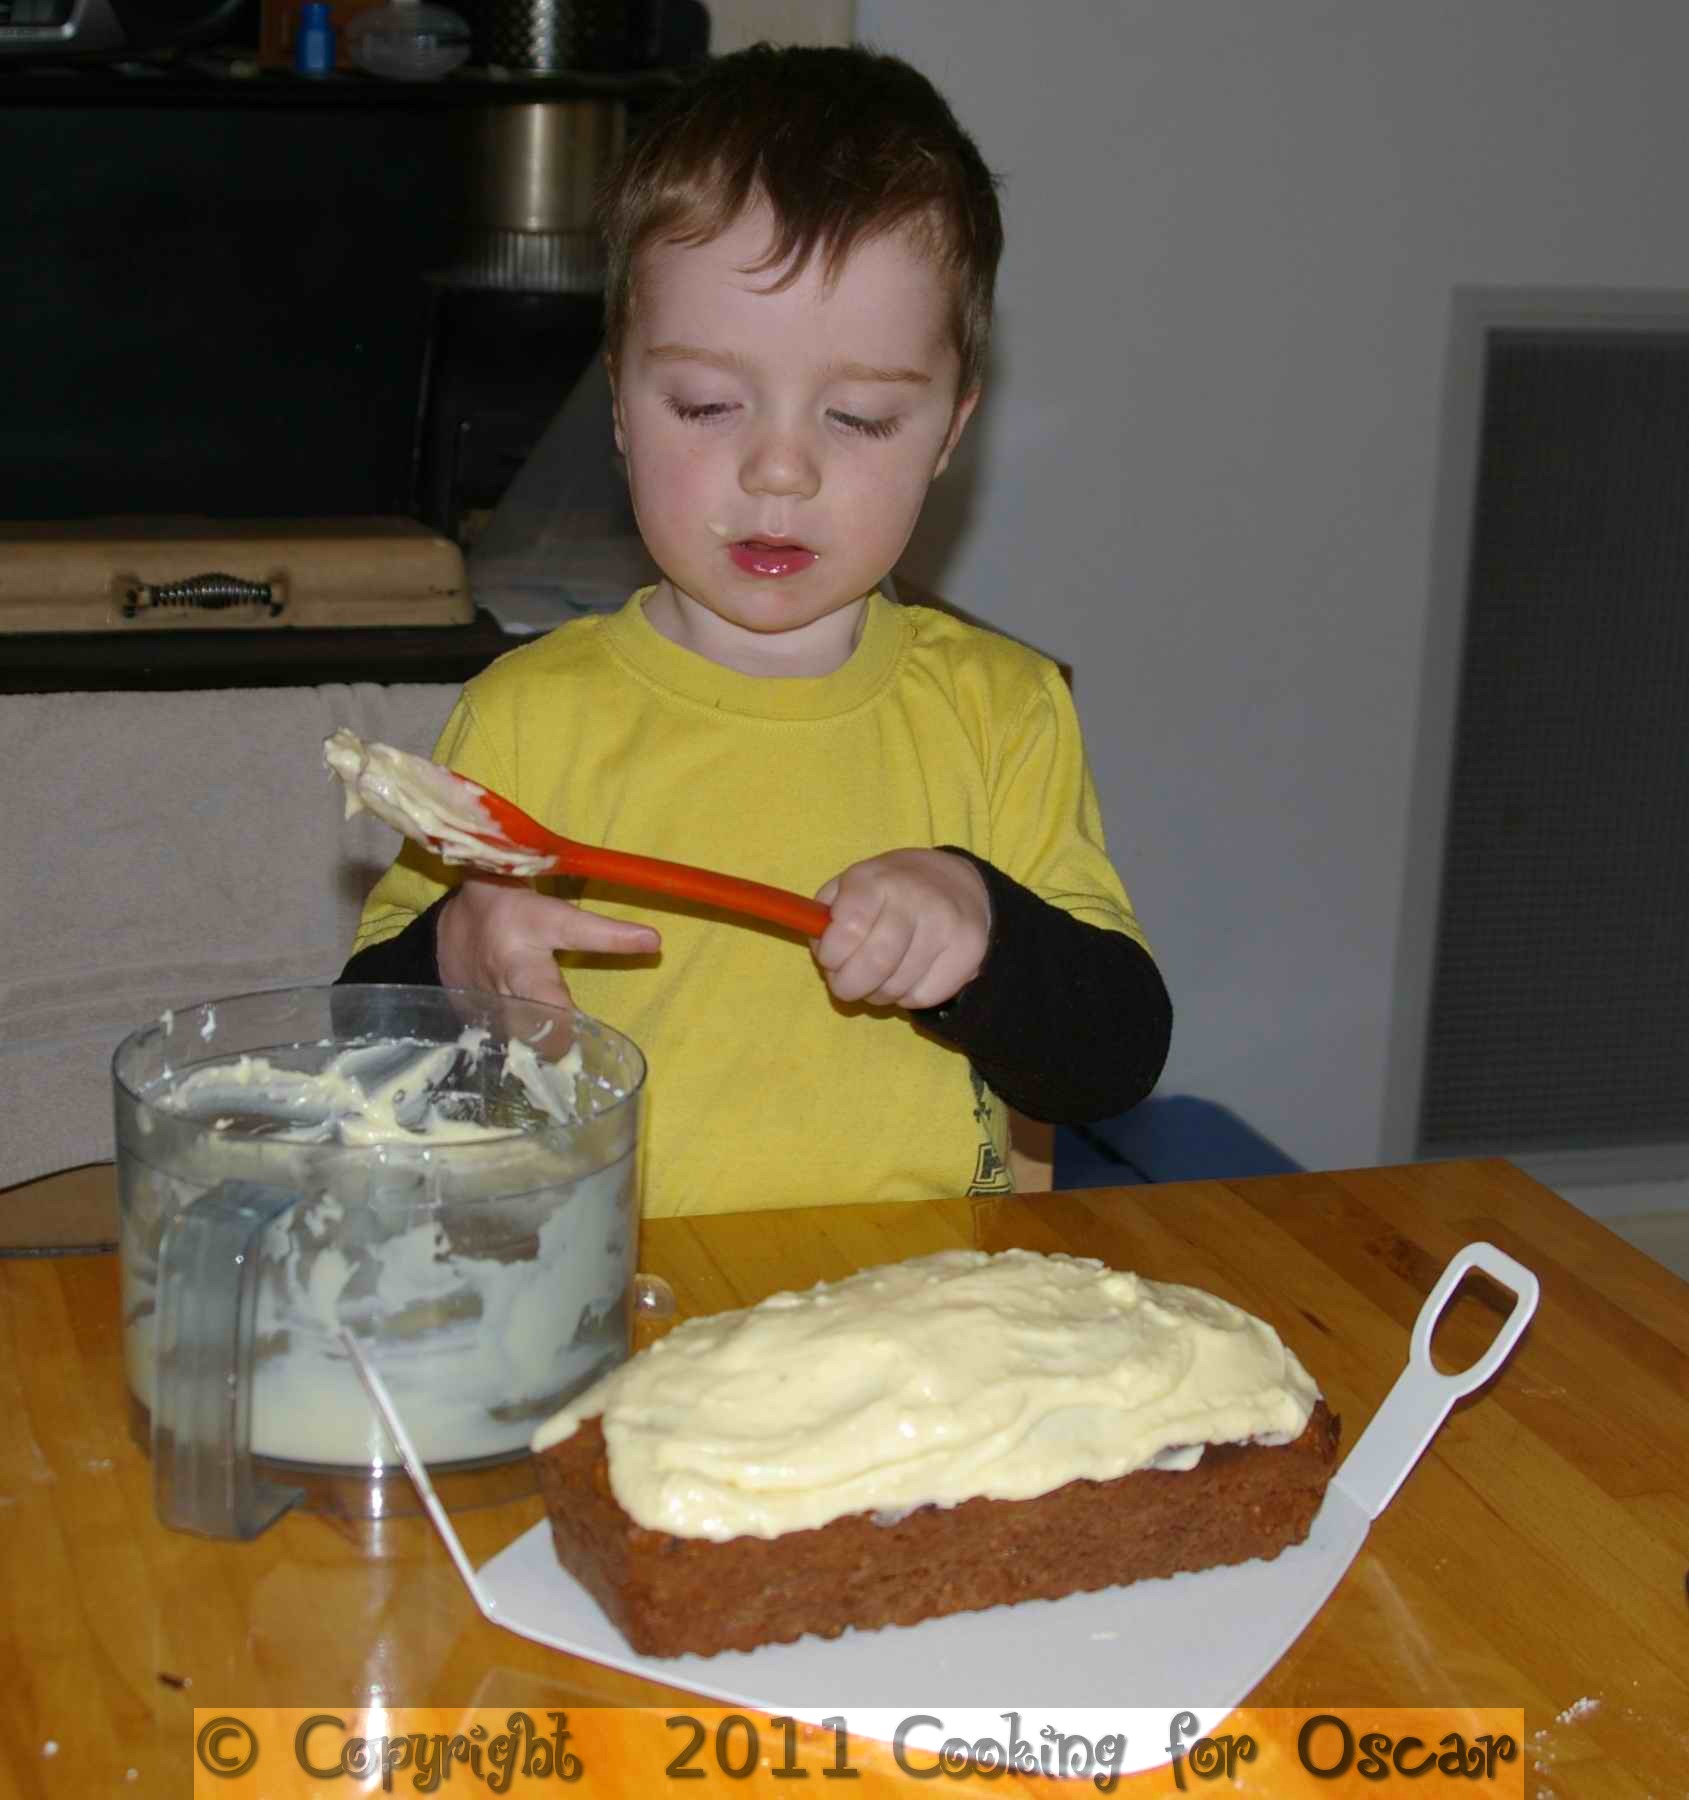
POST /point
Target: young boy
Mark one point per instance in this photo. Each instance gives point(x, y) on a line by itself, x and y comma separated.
point(802, 253)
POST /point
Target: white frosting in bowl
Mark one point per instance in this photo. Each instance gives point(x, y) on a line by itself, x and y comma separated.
point(930, 1382)
point(462, 1207)
point(340, 1102)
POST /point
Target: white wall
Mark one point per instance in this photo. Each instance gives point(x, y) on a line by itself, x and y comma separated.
point(1206, 474)
point(736, 23)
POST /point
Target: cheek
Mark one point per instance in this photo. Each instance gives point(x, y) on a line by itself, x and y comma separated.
point(898, 487)
point(660, 467)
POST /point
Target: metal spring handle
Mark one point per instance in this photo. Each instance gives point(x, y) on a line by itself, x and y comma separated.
point(207, 593)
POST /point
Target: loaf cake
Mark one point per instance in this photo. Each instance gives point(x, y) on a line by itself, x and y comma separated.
point(950, 1433)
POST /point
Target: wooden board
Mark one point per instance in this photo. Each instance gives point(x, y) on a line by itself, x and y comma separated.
point(119, 574)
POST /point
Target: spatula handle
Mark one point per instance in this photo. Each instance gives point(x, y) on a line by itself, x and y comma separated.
point(654, 874)
point(651, 874)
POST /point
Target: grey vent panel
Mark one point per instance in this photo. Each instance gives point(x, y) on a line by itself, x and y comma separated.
point(1559, 1006)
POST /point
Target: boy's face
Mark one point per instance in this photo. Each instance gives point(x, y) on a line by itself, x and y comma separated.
point(779, 445)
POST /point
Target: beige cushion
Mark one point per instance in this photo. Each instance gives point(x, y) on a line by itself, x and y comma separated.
point(160, 850)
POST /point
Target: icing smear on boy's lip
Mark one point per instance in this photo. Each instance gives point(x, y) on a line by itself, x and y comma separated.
point(775, 540)
point(766, 554)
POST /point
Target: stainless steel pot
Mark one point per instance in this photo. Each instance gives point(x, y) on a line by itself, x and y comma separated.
point(533, 170)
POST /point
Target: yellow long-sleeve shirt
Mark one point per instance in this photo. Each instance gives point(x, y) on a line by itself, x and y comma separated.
point(763, 1090)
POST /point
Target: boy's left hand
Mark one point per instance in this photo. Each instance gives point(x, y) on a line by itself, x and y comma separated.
point(909, 929)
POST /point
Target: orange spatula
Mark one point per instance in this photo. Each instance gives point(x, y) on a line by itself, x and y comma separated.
point(463, 822)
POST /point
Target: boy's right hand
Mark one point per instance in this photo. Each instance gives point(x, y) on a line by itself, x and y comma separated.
point(497, 934)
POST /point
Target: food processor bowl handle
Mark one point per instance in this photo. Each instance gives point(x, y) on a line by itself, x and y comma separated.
point(203, 1475)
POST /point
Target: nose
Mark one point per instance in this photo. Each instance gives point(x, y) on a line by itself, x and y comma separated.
point(780, 461)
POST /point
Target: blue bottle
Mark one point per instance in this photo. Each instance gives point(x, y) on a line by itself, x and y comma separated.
point(313, 45)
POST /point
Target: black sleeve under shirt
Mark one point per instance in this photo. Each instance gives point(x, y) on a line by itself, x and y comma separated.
point(408, 959)
point(1066, 1021)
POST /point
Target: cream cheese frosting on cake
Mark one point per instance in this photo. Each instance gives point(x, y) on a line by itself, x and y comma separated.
point(929, 1382)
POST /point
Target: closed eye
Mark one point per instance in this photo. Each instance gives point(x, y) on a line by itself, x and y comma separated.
point(873, 428)
point(712, 409)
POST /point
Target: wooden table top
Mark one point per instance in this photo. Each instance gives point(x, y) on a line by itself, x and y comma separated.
point(1535, 1558)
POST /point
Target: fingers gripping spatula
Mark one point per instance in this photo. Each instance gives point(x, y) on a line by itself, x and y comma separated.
point(465, 823)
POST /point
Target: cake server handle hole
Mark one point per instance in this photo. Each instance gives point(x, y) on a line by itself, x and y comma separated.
point(1420, 1400)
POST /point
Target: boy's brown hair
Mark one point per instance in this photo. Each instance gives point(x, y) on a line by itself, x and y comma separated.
point(844, 145)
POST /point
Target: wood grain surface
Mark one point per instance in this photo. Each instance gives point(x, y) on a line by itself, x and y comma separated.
point(1537, 1556)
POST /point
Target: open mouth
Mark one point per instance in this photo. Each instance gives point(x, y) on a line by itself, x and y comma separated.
point(756, 556)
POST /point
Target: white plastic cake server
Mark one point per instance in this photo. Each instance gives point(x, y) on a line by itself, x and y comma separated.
point(1123, 1660)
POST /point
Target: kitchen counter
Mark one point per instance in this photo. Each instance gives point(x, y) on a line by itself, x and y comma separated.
point(234, 79)
point(119, 661)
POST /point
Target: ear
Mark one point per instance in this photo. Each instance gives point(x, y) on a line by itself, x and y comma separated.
point(964, 411)
point(615, 404)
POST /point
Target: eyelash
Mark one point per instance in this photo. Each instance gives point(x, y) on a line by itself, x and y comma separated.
point(694, 415)
point(871, 428)
point(701, 415)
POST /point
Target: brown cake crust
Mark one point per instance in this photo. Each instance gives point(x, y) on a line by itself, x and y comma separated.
point(669, 1595)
